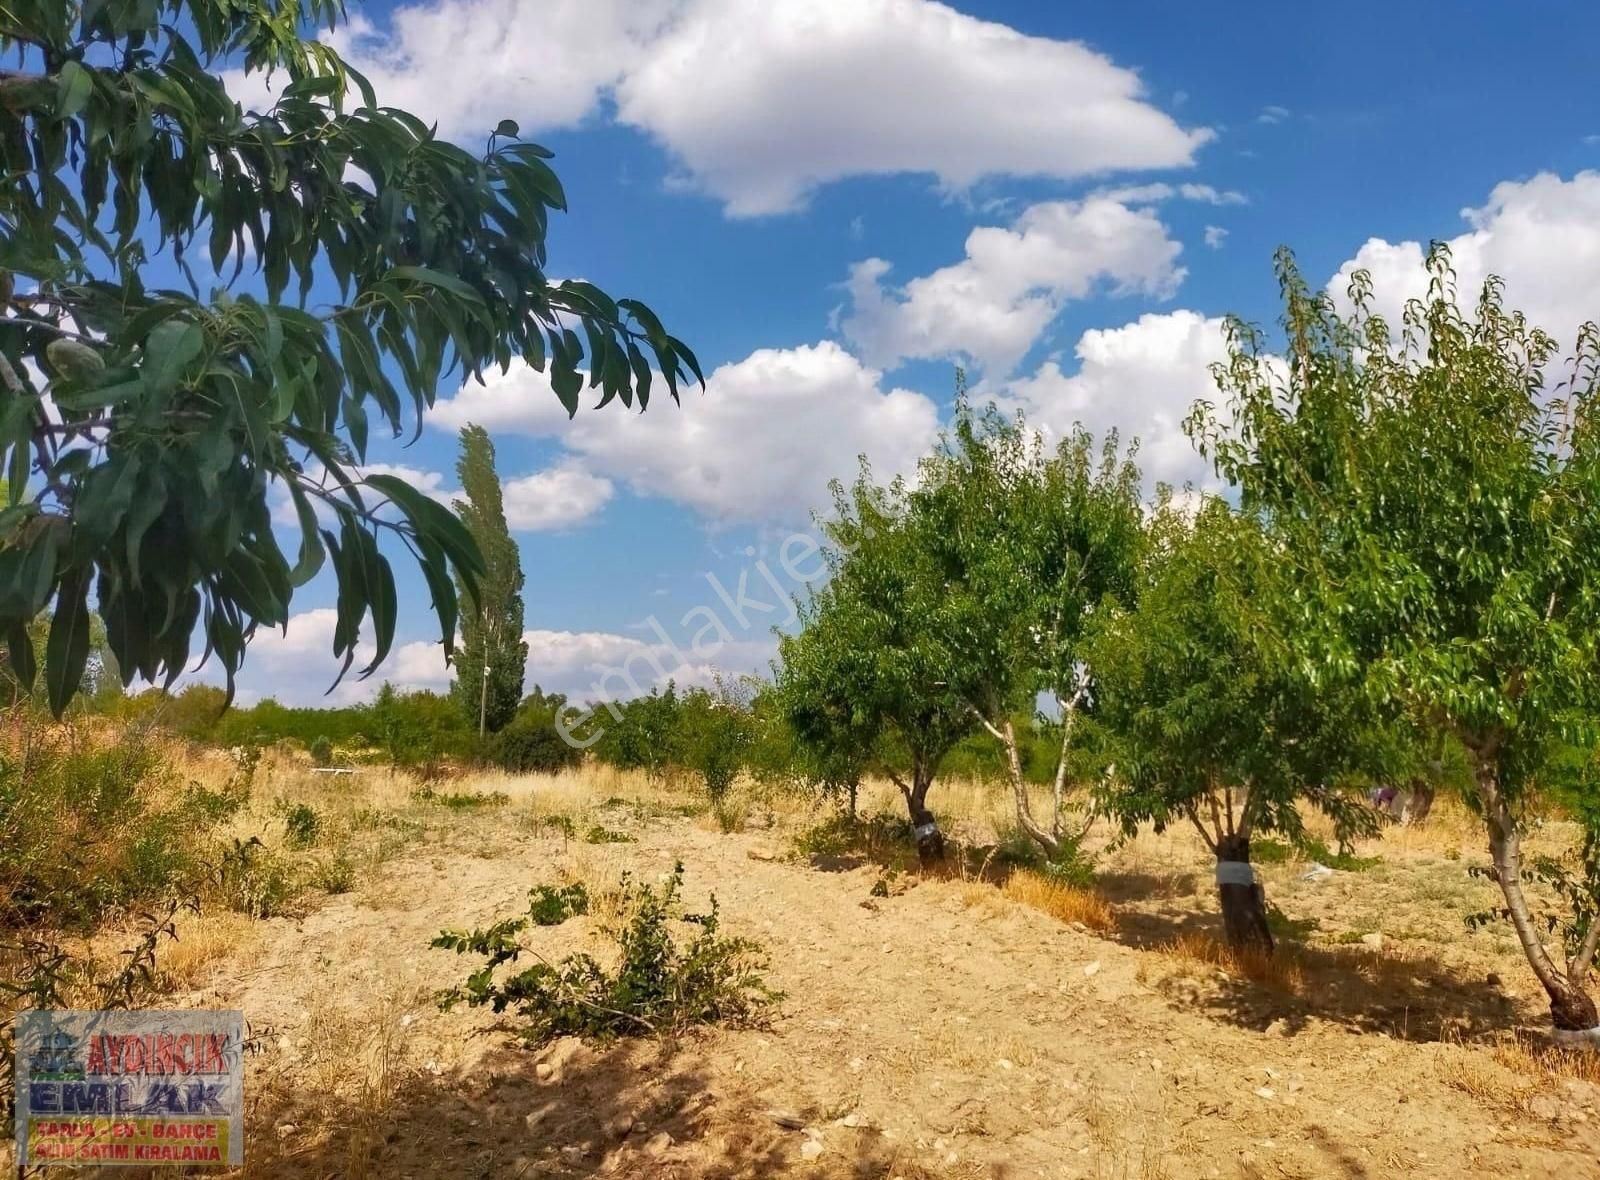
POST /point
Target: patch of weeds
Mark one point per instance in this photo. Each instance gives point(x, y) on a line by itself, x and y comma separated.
point(91, 822)
point(661, 984)
point(880, 887)
point(1277, 852)
point(301, 824)
point(1018, 850)
point(561, 825)
point(335, 875)
point(883, 838)
point(373, 819)
point(550, 905)
point(1294, 929)
point(730, 815)
point(1271, 852)
point(600, 834)
point(461, 800)
point(214, 806)
point(644, 810)
point(1343, 861)
point(253, 881)
point(1069, 867)
point(1062, 900)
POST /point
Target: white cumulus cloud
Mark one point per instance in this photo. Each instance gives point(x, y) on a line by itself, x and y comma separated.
point(595, 666)
point(761, 103)
point(296, 665)
point(760, 446)
point(555, 498)
point(467, 64)
point(1542, 236)
point(1141, 379)
point(993, 305)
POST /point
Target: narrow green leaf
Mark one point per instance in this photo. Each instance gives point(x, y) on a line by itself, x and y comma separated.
point(76, 86)
point(67, 653)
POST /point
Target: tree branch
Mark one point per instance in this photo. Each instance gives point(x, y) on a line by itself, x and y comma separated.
point(1194, 818)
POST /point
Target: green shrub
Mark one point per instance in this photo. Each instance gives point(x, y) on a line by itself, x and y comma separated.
point(532, 746)
point(461, 800)
point(1069, 866)
point(302, 825)
point(87, 825)
point(661, 985)
point(560, 823)
point(884, 838)
point(600, 834)
point(550, 905)
point(322, 750)
point(1273, 852)
point(253, 881)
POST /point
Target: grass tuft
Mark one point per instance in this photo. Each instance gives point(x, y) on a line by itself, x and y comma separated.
point(1067, 903)
point(1282, 972)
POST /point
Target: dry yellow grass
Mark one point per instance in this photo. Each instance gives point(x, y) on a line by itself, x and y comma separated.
point(1546, 1062)
point(203, 941)
point(1282, 971)
point(1064, 902)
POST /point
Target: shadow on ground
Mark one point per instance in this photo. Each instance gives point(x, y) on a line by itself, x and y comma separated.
point(629, 1110)
point(1396, 991)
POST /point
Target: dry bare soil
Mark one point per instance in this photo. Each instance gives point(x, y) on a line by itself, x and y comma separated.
point(943, 1030)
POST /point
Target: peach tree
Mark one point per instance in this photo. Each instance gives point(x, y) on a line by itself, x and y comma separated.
point(1433, 497)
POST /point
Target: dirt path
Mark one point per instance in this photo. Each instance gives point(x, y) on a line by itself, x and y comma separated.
point(932, 1033)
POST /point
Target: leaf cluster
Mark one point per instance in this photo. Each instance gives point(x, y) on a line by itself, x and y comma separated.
point(140, 464)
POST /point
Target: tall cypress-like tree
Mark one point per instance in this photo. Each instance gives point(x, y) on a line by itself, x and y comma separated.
point(491, 627)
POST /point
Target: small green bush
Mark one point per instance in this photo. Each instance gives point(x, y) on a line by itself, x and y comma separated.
point(253, 881)
point(1271, 852)
point(600, 834)
point(322, 750)
point(532, 746)
point(561, 824)
point(302, 825)
point(1274, 852)
point(884, 838)
point(336, 874)
point(462, 800)
point(661, 984)
point(550, 905)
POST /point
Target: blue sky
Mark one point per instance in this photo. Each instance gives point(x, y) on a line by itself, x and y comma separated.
point(835, 201)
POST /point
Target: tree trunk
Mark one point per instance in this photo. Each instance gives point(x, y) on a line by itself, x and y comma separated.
point(1421, 801)
point(1571, 1009)
point(1244, 906)
point(1069, 714)
point(1049, 841)
point(855, 789)
point(930, 841)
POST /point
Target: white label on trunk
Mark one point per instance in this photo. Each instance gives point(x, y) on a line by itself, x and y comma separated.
point(1235, 872)
point(1585, 1037)
point(923, 831)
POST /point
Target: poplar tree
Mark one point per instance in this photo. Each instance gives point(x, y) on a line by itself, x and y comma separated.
point(493, 655)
